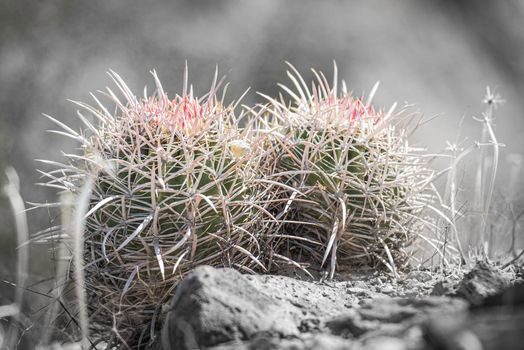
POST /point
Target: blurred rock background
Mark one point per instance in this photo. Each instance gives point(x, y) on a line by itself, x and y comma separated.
point(437, 54)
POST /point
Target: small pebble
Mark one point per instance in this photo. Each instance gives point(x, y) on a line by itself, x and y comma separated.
point(382, 343)
point(365, 301)
point(412, 284)
point(421, 276)
point(360, 284)
point(387, 289)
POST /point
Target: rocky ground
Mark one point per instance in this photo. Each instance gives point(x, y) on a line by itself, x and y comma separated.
point(221, 309)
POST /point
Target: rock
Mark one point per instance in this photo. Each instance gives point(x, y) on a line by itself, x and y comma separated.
point(316, 301)
point(497, 322)
point(493, 329)
point(391, 316)
point(319, 342)
point(306, 342)
point(512, 296)
point(421, 276)
point(387, 289)
point(350, 325)
point(482, 281)
point(214, 306)
point(519, 273)
point(361, 293)
point(382, 343)
point(360, 285)
point(444, 287)
point(221, 307)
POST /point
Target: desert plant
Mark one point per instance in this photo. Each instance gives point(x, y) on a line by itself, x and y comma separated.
point(486, 211)
point(486, 174)
point(357, 192)
point(171, 185)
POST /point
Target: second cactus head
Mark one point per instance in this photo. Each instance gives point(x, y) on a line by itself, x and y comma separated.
point(357, 191)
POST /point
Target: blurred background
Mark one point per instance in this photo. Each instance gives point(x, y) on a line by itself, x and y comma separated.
point(437, 54)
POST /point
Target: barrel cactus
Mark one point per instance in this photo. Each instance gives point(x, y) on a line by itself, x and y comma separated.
point(174, 186)
point(357, 192)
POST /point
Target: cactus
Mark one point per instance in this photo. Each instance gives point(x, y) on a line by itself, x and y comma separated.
point(174, 186)
point(357, 191)
point(176, 183)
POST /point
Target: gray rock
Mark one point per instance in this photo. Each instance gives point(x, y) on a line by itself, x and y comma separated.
point(391, 316)
point(495, 323)
point(223, 309)
point(482, 281)
point(421, 276)
point(382, 343)
point(303, 342)
point(413, 286)
point(316, 301)
point(512, 297)
point(360, 284)
point(444, 287)
point(362, 293)
point(318, 342)
point(387, 289)
point(214, 306)
point(489, 329)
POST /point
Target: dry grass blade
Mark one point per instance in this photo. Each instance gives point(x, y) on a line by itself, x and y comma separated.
point(331, 241)
point(11, 190)
point(77, 233)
